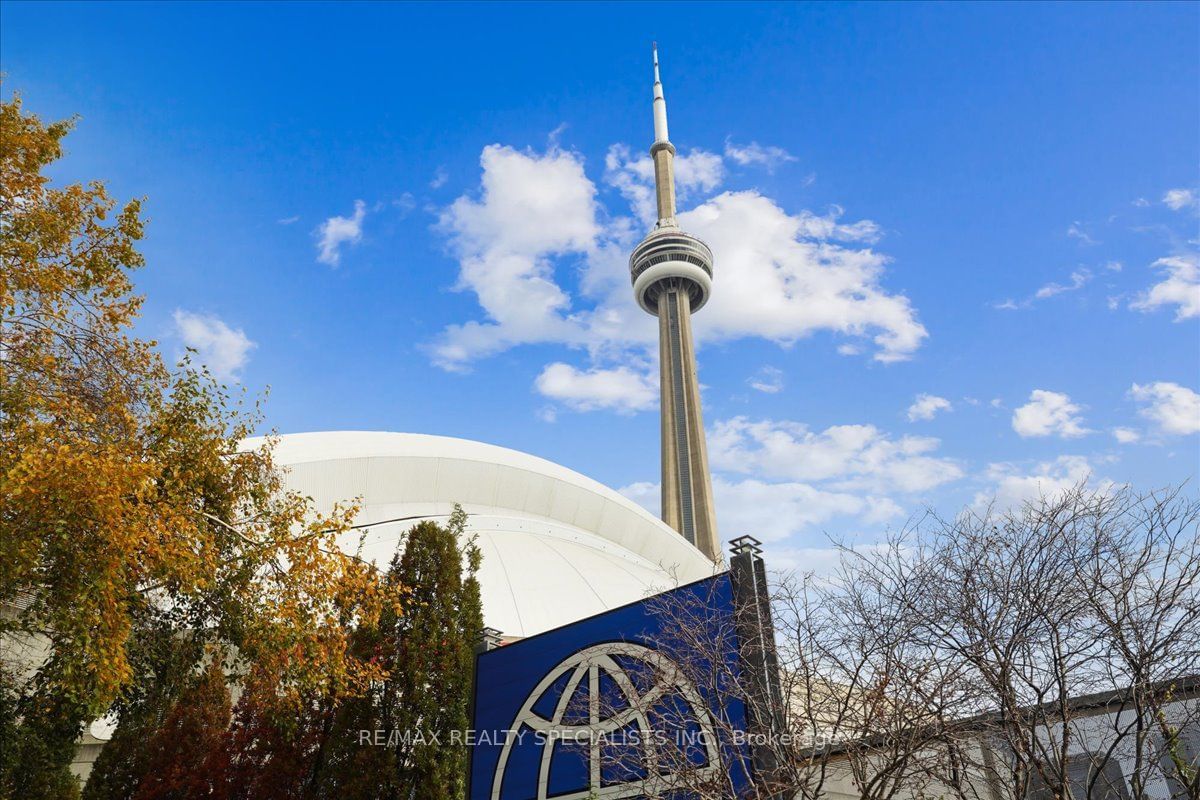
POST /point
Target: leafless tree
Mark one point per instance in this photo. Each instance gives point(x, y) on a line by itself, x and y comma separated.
point(1046, 651)
point(864, 698)
point(1071, 617)
point(1142, 573)
point(872, 696)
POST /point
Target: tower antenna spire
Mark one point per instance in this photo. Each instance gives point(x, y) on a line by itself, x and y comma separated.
point(664, 164)
point(660, 104)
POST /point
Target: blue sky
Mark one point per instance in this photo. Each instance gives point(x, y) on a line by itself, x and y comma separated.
point(415, 217)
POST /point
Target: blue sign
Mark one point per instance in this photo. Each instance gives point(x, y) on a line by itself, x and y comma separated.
point(633, 702)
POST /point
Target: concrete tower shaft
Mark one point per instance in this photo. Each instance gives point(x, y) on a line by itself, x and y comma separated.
point(671, 273)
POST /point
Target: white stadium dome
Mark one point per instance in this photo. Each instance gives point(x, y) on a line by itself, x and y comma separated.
point(557, 546)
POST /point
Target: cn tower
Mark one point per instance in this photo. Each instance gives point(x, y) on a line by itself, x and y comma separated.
point(672, 278)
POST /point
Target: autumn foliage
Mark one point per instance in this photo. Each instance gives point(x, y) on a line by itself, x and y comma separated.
point(325, 745)
point(127, 506)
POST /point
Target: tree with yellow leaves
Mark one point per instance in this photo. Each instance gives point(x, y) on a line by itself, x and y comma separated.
point(127, 507)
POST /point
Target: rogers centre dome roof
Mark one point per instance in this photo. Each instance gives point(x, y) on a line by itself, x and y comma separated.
point(557, 546)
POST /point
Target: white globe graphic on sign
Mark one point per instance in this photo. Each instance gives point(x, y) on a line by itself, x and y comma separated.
point(620, 684)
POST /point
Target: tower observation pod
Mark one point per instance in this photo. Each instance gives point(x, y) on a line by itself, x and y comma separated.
point(671, 273)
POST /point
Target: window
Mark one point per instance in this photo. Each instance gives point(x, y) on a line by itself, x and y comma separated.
point(1109, 783)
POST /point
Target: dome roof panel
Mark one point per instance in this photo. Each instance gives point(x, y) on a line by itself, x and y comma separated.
point(539, 494)
point(557, 546)
point(417, 477)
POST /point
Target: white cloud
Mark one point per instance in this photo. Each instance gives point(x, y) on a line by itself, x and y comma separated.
point(698, 169)
point(288, 220)
point(1126, 435)
point(1173, 408)
point(1049, 414)
point(851, 456)
point(532, 207)
point(926, 406)
point(621, 389)
point(1076, 231)
point(1013, 487)
point(775, 479)
point(538, 212)
point(791, 283)
point(1180, 287)
point(774, 511)
point(222, 349)
point(1177, 199)
point(828, 227)
point(767, 156)
point(440, 176)
point(767, 379)
point(1079, 279)
point(695, 171)
point(522, 191)
point(822, 562)
point(405, 203)
point(646, 494)
point(337, 231)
